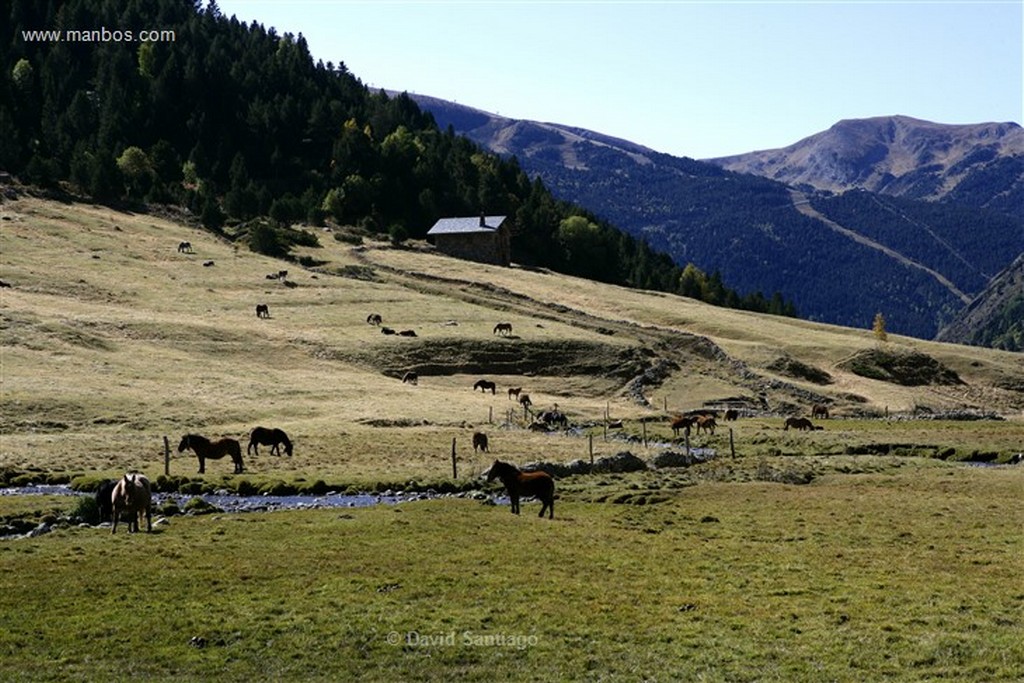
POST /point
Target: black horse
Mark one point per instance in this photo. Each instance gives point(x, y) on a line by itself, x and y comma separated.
point(212, 450)
point(485, 385)
point(263, 436)
point(103, 499)
point(519, 483)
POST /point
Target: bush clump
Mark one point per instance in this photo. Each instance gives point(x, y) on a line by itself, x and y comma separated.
point(907, 368)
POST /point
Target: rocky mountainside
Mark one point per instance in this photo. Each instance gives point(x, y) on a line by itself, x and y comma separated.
point(979, 164)
point(839, 258)
point(996, 317)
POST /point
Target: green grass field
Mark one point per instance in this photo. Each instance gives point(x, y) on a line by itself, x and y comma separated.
point(910, 573)
point(892, 560)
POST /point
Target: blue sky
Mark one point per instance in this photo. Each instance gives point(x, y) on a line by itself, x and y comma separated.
point(698, 79)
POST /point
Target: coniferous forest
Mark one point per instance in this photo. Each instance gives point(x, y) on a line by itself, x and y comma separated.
point(235, 121)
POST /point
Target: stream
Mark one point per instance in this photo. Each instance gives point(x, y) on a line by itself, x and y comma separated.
point(230, 502)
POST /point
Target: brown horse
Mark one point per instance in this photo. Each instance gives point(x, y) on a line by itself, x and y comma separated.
point(524, 400)
point(262, 311)
point(518, 483)
point(374, 319)
point(514, 391)
point(479, 441)
point(262, 436)
point(212, 450)
point(503, 329)
point(801, 423)
point(732, 415)
point(819, 410)
point(485, 385)
point(684, 423)
point(132, 494)
point(707, 423)
point(410, 378)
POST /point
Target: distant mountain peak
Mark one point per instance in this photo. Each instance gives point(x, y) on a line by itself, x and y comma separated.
point(898, 155)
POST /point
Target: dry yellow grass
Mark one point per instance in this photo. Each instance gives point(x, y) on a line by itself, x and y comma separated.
point(111, 339)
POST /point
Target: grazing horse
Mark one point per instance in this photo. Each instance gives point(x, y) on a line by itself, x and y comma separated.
point(732, 415)
point(212, 450)
point(707, 423)
point(503, 329)
point(684, 423)
point(484, 385)
point(801, 423)
point(410, 378)
point(518, 483)
point(374, 319)
point(524, 400)
point(479, 441)
point(514, 391)
point(132, 494)
point(262, 311)
point(553, 417)
point(184, 247)
point(262, 436)
point(818, 410)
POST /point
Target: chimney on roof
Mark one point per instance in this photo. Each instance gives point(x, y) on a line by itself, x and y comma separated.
point(483, 223)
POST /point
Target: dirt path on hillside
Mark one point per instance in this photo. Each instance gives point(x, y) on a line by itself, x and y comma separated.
point(802, 204)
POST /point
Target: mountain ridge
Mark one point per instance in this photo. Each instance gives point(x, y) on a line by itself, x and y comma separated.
point(909, 258)
point(897, 155)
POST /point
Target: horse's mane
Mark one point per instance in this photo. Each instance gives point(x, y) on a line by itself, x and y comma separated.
point(197, 437)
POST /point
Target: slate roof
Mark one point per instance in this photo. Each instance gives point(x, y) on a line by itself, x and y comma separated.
point(469, 224)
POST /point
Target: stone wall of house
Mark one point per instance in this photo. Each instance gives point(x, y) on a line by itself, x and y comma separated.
point(477, 246)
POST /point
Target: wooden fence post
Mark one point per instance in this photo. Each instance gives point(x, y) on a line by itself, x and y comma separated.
point(591, 450)
point(686, 437)
point(167, 457)
point(455, 467)
point(732, 447)
point(643, 424)
point(490, 415)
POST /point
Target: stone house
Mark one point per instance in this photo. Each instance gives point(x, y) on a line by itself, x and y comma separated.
point(486, 239)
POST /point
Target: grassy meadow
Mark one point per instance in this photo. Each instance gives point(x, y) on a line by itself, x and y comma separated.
point(865, 551)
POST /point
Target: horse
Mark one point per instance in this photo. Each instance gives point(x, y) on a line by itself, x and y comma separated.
point(503, 329)
point(262, 311)
point(524, 400)
point(104, 499)
point(374, 319)
point(212, 450)
point(732, 415)
point(479, 441)
point(518, 483)
point(684, 423)
point(819, 410)
point(707, 423)
point(553, 417)
point(184, 247)
point(514, 391)
point(262, 436)
point(484, 385)
point(410, 378)
point(387, 330)
point(801, 423)
point(407, 333)
point(132, 494)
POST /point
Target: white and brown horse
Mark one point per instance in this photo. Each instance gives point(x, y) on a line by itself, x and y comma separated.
point(132, 494)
